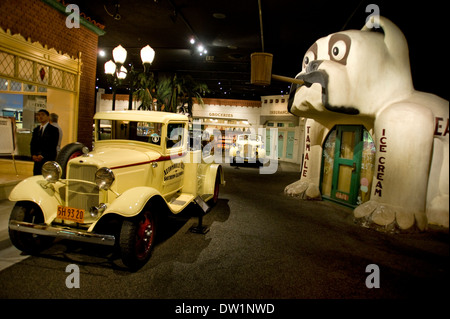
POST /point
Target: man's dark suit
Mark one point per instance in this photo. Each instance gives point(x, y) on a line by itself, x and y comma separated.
point(44, 145)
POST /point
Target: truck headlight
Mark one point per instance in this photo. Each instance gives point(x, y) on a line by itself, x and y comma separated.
point(51, 171)
point(96, 211)
point(104, 177)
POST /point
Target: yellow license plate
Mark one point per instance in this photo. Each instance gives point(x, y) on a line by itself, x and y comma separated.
point(69, 213)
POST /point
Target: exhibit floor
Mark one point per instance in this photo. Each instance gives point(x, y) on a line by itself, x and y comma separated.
point(261, 244)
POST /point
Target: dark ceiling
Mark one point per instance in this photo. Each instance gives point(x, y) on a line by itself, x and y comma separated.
point(230, 31)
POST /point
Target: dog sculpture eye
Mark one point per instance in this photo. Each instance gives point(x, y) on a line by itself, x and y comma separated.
point(309, 56)
point(338, 51)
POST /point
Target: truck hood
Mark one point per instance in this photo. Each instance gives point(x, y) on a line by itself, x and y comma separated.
point(116, 157)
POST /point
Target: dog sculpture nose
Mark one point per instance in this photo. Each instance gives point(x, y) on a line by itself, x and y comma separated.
point(313, 66)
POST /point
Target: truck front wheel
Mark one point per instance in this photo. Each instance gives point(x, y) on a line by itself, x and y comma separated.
point(137, 237)
point(26, 242)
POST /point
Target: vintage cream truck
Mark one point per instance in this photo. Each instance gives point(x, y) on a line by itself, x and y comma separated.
point(141, 169)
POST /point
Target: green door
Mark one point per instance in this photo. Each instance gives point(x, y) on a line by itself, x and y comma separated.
point(347, 163)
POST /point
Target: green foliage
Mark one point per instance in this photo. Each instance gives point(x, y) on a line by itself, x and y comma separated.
point(145, 90)
point(168, 93)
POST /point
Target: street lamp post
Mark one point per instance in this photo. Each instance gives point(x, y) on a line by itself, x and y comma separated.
point(116, 70)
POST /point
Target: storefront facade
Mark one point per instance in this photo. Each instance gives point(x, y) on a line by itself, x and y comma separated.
point(290, 129)
point(46, 62)
point(33, 77)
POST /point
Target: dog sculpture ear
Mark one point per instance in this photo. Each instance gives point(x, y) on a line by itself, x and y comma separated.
point(394, 39)
point(397, 52)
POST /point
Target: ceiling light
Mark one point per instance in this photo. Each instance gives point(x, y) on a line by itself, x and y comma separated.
point(192, 40)
point(101, 53)
point(200, 48)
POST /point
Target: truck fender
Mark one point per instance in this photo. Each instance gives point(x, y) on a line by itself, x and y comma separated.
point(132, 201)
point(210, 178)
point(36, 189)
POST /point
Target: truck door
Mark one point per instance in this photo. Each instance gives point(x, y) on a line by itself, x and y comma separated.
point(176, 151)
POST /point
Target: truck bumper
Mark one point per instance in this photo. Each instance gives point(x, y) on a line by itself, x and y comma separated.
point(59, 232)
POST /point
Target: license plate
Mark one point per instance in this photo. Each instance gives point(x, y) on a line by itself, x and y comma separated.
point(69, 213)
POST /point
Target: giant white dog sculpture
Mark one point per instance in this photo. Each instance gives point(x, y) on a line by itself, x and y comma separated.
point(364, 77)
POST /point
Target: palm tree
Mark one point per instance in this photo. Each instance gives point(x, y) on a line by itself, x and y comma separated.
point(169, 93)
point(166, 95)
point(188, 90)
point(145, 92)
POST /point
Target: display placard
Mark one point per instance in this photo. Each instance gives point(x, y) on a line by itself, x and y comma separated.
point(7, 125)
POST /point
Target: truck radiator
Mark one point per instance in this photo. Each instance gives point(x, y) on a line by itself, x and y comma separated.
point(80, 194)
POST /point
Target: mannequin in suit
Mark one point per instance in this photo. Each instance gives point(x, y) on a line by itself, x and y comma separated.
point(43, 142)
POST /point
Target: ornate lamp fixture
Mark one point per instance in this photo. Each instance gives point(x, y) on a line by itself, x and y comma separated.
point(118, 72)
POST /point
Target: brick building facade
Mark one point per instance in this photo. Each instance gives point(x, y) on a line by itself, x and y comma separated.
point(45, 24)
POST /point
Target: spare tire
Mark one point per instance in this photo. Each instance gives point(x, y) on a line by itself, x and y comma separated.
point(68, 152)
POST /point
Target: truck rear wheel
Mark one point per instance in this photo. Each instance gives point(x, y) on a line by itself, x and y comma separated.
point(26, 242)
point(137, 237)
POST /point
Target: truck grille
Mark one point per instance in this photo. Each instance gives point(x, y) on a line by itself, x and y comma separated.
point(80, 194)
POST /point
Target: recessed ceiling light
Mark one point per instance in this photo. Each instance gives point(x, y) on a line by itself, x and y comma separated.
point(219, 15)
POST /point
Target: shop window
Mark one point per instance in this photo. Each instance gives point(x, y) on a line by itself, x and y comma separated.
point(29, 88)
point(367, 167)
point(328, 162)
point(15, 86)
point(3, 84)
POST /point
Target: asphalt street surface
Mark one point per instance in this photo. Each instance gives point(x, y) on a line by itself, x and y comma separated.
point(261, 245)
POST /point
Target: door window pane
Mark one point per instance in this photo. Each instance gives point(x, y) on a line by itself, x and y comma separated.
point(345, 178)
point(347, 145)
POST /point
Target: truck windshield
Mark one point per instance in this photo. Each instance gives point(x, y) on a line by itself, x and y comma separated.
point(149, 132)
